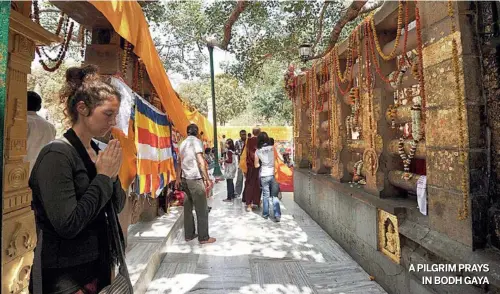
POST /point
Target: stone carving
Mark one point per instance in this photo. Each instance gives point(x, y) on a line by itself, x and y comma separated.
point(16, 199)
point(26, 240)
point(21, 277)
point(388, 235)
point(24, 46)
point(18, 144)
point(17, 177)
point(370, 159)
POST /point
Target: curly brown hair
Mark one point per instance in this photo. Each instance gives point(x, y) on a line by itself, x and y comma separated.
point(85, 84)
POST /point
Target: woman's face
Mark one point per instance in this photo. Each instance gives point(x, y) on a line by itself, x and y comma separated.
point(103, 118)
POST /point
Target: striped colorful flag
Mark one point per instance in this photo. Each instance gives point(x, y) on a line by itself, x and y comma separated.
point(155, 164)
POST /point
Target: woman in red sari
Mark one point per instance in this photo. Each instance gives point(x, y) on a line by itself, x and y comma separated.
point(252, 192)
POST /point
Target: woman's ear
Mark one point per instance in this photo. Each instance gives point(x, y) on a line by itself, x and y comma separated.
point(82, 109)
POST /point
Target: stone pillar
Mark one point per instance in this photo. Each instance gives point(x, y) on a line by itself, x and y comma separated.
point(445, 173)
point(105, 52)
point(382, 99)
point(353, 149)
point(302, 125)
point(338, 137)
point(18, 221)
point(322, 161)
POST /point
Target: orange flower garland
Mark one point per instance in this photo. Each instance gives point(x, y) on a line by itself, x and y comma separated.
point(125, 57)
point(420, 63)
point(463, 212)
point(398, 34)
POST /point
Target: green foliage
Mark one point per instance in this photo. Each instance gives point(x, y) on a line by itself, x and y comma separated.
point(231, 99)
point(265, 30)
point(270, 101)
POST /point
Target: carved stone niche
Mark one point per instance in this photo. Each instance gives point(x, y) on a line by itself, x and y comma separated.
point(388, 236)
point(16, 274)
point(19, 234)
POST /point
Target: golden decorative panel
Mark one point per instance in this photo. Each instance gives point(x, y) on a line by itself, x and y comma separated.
point(16, 200)
point(15, 176)
point(19, 234)
point(388, 235)
point(24, 46)
point(16, 147)
point(16, 273)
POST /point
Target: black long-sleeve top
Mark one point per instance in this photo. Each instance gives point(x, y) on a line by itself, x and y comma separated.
point(69, 203)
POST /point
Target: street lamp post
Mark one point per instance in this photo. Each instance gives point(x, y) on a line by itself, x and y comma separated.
point(217, 170)
point(305, 52)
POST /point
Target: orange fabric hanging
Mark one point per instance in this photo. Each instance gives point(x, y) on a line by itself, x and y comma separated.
point(282, 173)
point(202, 122)
point(128, 21)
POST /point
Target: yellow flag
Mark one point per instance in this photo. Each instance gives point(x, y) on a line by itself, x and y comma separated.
point(243, 158)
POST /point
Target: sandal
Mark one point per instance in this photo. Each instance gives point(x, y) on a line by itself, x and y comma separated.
point(210, 240)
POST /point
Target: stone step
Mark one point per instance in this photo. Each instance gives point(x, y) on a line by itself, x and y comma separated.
point(147, 243)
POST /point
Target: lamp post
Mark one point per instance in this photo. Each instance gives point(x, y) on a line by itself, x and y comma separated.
point(217, 170)
point(305, 52)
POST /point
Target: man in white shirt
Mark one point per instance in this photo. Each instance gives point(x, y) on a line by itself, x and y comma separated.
point(192, 173)
point(40, 131)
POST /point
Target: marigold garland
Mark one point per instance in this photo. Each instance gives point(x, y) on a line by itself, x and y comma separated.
point(333, 109)
point(83, 40)
point(420, 53)
point(369, 84)
point(398, 34)
point(125, 57)
point(63, 54)
point(40, 51)
point(463, 212)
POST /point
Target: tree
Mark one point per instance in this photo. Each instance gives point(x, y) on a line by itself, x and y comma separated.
point(257, 31)
point(177, 29)
point(231, 98)
point(269, 99)
point(254, 31)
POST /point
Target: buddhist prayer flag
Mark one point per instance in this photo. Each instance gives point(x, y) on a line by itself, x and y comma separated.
point(155, 164)
point(124, 132)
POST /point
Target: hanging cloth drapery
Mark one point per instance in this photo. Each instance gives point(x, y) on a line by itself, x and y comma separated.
point(422, 194)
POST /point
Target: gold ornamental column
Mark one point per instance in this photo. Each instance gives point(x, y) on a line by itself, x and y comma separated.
point(18, 222)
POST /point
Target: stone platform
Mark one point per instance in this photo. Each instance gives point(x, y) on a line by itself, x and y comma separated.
point(147, 243)
point(254, 255)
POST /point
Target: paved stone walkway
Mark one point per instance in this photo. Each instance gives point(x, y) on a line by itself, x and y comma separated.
point(254, 255)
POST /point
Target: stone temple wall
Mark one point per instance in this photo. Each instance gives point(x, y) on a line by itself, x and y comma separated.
point(353, 181)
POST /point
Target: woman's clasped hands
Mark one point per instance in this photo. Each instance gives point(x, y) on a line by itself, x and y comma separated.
point(109, 161)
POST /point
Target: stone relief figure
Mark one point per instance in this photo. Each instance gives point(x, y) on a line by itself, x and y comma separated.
point(390, 237)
